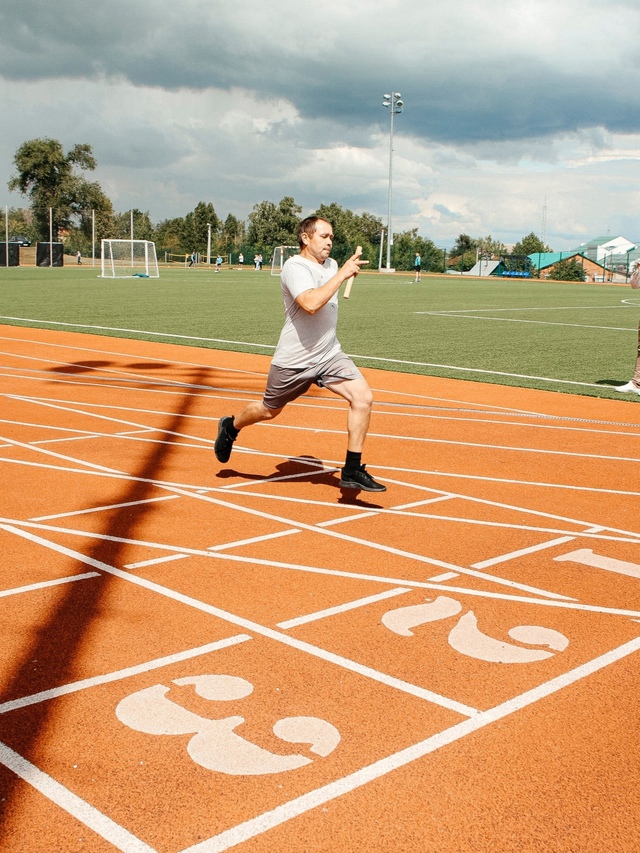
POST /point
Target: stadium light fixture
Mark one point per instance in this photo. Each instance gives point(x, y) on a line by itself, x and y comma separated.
point(394, 103)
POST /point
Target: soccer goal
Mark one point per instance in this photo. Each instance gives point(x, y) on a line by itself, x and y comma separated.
point(129, 259)
point(280, 255)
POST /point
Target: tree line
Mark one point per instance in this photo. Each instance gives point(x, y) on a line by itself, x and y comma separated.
point(63, 200)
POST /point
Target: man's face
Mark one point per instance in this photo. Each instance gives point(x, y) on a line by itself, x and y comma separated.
point(317, 246)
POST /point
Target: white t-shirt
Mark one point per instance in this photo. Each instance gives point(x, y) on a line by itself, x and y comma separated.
point(306, 339)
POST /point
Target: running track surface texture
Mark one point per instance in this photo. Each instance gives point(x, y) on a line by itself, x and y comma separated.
point(200, 657)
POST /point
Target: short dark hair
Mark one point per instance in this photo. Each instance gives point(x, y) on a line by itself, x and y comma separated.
point(308, 226)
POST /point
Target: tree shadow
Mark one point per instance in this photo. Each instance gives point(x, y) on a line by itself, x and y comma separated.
point(51, 658)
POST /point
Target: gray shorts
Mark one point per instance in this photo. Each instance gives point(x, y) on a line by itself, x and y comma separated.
point(285, 384)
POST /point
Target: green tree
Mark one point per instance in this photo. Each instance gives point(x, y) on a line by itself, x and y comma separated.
point(232, 234)
point(464, 250)
point(195, 229)
point(169, 236)
point(21, 224)
point(489, 246)
point(273, 225)
point(406, 245)
point(530, 245)
point(46, 175)
point(568, 270)
point(351, 230)
point(142, 225)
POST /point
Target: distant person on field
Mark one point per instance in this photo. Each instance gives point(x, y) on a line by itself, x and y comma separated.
point(309, 353)
point(241, 260)
point(79, 256)
point(417, 265)
point(192, 259)
point(633, 386)
point(218, 263)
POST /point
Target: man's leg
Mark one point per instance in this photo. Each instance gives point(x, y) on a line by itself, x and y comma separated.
point(230, 426)
point(358, 394)
point(633, 387)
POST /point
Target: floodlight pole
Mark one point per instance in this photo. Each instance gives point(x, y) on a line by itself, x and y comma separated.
point(209, 244)
point(393, 101)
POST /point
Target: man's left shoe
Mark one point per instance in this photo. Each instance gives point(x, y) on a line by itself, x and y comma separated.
point(359, 479)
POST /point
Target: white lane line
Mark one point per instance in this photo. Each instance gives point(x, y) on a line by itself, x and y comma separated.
point(240, 542)
point(484, 564)
point(343, 608)
point(71, 803)
point(300, 805)
point(207, 498)
point(563, 602)
point(386, 436)
point(18, 590)
point(105, 508)
point(66, 439)
point(447, 576)
point(154, 562)
point(121, 674)
point(256, 628)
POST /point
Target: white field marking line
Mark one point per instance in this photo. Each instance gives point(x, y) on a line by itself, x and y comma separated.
point(447, 311)
point(306, 802)
point(169, 558)
point(121, 674)
point(255, 627)
point(138, 332)
point(532, 322)
point(329, 405)
point(18, 590)
point(563, 602)
point(92, 373)
point(311, 527)
point(589, 525)
point(365, 542)
point(344, 537)
point(66, 439)
point(266, 538)
point(143, 427)
point(343, 608)
point(400, 511)
point(447, 576)
point(475, 370)
point(71, 803)
point(120, 354)
point(270, 347)
point(523, 552)
point(222, 489)
point(208, 391)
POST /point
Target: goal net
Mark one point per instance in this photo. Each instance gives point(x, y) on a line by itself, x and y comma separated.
point(129, 259)
point(280, 255)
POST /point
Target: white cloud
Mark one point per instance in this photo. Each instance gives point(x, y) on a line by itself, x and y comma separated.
point(507, 104)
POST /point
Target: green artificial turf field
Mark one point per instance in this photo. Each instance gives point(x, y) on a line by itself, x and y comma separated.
point(576, 338)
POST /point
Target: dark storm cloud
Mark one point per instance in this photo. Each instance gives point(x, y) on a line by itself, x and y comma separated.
point(482, 86)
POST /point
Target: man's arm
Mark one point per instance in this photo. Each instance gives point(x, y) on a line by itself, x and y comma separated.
point(316, 298)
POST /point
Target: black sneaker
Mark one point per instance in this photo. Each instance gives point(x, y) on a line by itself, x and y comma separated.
point(224, 441)
point(359, 479)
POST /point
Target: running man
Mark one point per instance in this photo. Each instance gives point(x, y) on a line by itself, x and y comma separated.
point(309, 352)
